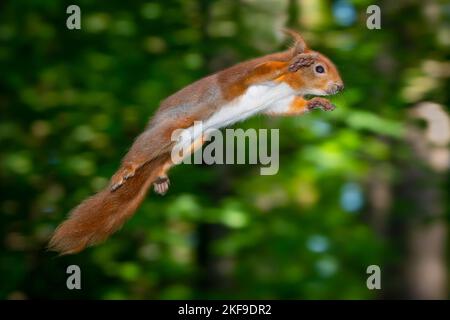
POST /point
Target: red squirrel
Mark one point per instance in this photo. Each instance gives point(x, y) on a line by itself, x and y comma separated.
point(274, 84)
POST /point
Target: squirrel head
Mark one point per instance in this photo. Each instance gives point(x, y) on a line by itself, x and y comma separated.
point(310, 71)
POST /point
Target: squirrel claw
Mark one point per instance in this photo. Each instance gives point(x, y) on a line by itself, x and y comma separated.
point(161, 185)
point(121, 176)
point(116, 186)
point(320, 103)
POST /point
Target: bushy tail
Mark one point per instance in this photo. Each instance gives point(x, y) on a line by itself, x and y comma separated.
point(97, 217)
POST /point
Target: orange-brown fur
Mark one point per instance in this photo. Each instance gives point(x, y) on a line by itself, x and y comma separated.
point(297, 106)
point(102, 214)
point(149, 157)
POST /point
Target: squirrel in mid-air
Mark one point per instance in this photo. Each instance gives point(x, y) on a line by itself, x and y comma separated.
point(274, 84)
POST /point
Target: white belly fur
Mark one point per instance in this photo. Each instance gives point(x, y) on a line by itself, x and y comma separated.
point(256, 99)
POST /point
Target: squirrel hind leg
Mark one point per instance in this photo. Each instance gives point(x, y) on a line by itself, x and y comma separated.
point(162, 182)
point(161, 185)
point(124, 173)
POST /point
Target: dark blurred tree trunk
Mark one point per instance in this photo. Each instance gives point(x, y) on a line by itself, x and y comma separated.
point(412, 218)
point(380, 199)
point(212, 276)
point(293, 14)
point(425, 233)
point(417, 224)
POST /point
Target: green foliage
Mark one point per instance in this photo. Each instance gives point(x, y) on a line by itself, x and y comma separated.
point(72, 102)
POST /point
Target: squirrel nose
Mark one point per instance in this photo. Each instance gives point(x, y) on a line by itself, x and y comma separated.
point(340, 87)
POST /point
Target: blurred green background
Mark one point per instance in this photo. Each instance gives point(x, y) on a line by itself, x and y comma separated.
point(366, 184)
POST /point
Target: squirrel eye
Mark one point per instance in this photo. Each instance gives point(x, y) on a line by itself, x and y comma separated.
point(320, 69)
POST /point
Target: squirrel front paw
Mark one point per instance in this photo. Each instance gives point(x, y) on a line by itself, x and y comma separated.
point(320, 103)
point(125, 172)
point(161, 185)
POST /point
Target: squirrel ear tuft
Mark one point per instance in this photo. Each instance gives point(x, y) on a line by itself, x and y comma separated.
point(302, 60)
point(299, 43)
